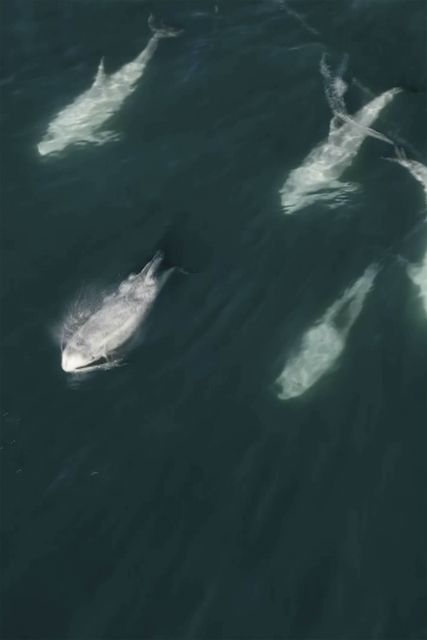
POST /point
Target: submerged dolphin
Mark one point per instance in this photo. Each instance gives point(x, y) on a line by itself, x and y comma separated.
point(80, 122)
point(322, 345)
point(318, 176)
point(417, 169)
point(95, 341)
point(417, 273)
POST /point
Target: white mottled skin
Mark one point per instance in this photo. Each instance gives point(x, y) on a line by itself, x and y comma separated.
point(114, 322)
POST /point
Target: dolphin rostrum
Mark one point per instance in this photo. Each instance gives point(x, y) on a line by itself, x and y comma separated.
point(92, 339)
point(81, 121)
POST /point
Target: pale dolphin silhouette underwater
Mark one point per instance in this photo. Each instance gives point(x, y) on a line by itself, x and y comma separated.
point(82, 121)
point(324, 342)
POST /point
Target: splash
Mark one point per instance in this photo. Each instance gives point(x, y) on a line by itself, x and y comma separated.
point(335, 86)
point(322, 345)
point(94, 335)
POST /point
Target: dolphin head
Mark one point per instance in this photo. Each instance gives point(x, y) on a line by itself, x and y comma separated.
point(50, 144)
point(76, 358)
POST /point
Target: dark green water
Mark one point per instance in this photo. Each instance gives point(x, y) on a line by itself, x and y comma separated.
point(177, 496)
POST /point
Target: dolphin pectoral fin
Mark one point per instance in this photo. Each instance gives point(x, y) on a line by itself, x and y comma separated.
point(400, 156)
point(105, 136)
point(100, 74)
point(98, 138)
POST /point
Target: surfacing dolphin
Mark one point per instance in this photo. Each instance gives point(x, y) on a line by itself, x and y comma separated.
point(417, 272)
point(93, 339)
point(318, 178)
point(81, 121)
point(323, 343)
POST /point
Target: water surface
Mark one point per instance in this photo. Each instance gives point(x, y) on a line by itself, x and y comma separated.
point(178, 496)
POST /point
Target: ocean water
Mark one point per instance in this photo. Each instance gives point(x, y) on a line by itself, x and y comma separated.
point(178, 495)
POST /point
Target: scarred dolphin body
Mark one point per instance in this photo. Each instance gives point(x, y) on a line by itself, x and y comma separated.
point(94, 339)
point(323, 343)
point(81, 122)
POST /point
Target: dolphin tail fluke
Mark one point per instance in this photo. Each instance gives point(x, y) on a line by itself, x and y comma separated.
point(161, 267)
point(400, 156)
point(151, 268)
point(164, 259)
point(154, 263)
point(161, 30)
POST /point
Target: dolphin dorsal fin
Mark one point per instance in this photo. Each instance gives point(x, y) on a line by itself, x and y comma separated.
point(100, 74)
